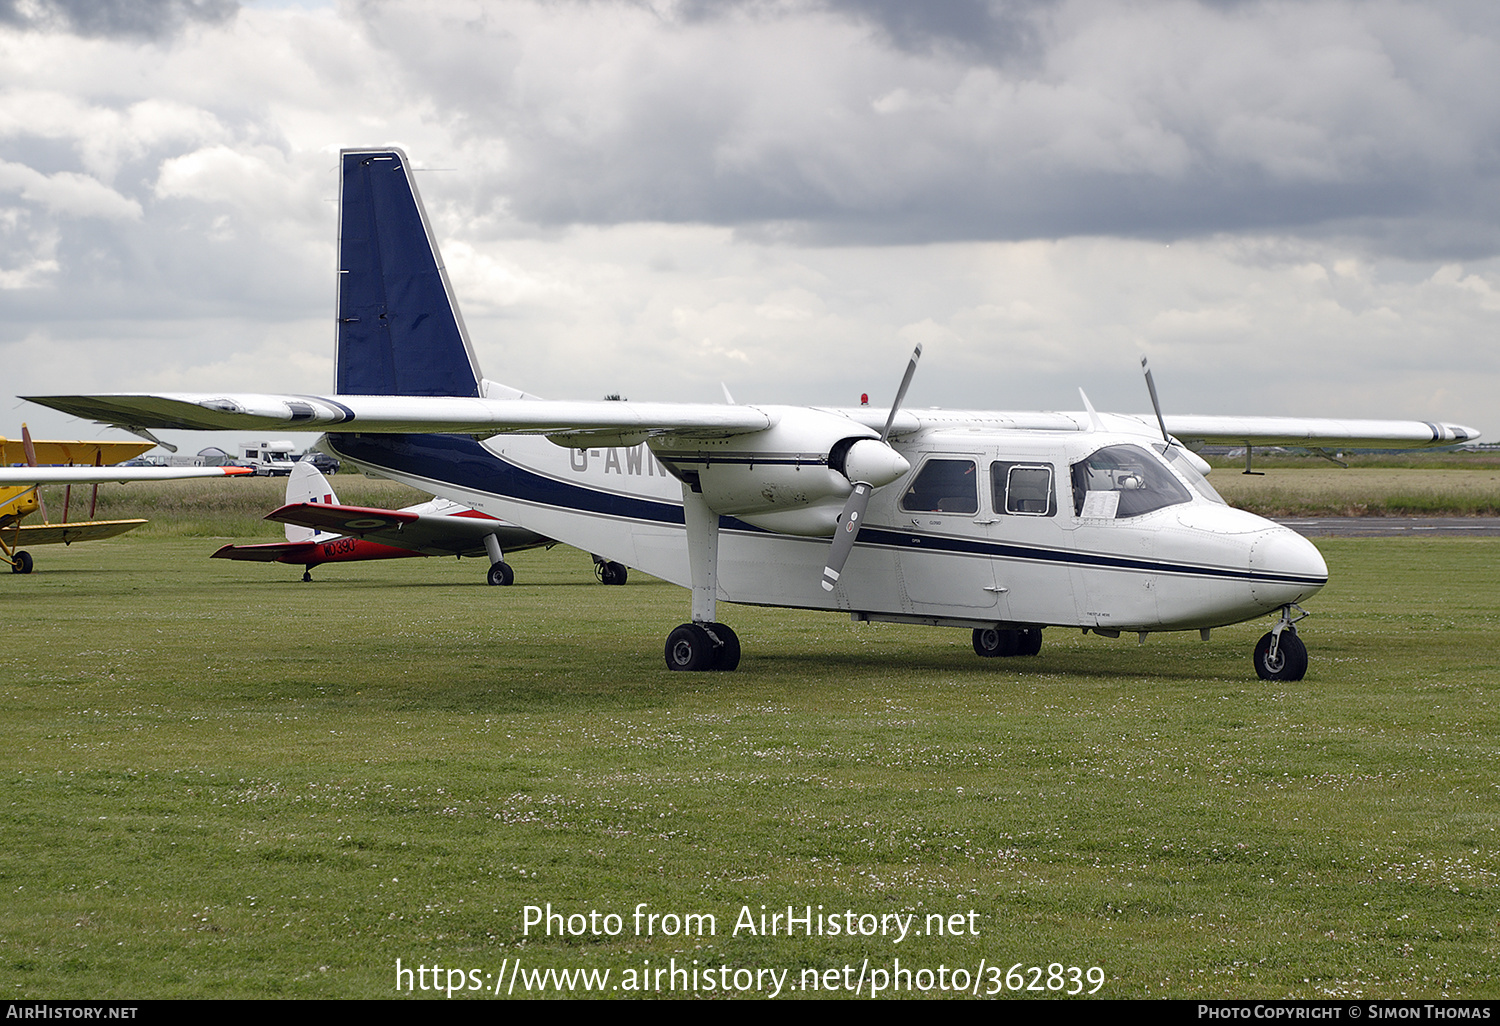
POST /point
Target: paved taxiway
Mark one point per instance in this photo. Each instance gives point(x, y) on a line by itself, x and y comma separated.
point(1391, 527)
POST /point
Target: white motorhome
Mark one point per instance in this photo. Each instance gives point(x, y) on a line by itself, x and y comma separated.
point(270, 459)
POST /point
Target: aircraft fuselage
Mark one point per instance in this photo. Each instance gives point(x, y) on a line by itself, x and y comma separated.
point(987, 528)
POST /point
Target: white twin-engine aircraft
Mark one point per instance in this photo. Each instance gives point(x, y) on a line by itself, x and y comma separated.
point(1001, 523)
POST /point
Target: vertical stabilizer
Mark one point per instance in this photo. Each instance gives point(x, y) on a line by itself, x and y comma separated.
point(399, 329)
point(307, 484)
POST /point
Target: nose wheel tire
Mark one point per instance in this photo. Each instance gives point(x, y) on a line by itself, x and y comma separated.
point(501, 574)
point(1289, 662)
point(695, 647)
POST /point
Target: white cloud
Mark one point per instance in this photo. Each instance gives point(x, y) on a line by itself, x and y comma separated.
point(67, 193)
point(651, 199)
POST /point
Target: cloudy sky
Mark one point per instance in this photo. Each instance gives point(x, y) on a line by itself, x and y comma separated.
point(1292, 207)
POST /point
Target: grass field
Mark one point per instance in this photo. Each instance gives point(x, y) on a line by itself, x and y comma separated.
point(1324, 491)
point(222, 782)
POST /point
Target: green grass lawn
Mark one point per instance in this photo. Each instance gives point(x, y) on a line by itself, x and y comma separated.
point(219, 781)
point(1321, 489)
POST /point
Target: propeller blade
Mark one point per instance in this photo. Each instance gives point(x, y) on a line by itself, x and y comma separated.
point(31, 462)
point(853, 516)
point(848, 530)
point(1155, 403)
point(911, 369)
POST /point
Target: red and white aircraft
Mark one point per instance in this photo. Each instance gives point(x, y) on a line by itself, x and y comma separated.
point(320, 530)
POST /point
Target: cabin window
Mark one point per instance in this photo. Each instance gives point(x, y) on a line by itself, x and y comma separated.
point(1122, 481)
point(1023, 489)
point(943, 486)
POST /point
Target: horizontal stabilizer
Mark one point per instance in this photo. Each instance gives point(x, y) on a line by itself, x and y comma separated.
point(270, 552)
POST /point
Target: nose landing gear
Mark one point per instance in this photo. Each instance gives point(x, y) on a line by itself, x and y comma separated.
point(1280, 654)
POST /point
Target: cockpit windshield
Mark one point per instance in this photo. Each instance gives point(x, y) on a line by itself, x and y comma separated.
point(1184, 467)
point(1121, 481)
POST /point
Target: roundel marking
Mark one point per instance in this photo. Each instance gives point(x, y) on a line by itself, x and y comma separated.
point(364, 524)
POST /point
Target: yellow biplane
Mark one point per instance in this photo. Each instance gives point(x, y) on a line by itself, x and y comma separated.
point(69, 463)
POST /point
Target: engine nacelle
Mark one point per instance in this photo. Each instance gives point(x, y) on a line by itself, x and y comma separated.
point(791, 478)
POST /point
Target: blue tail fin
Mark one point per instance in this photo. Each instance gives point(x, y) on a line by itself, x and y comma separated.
point(399, 330)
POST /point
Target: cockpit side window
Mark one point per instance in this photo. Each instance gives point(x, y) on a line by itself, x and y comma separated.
point(1122, 481)
point(943, 486)
point(1023, 489)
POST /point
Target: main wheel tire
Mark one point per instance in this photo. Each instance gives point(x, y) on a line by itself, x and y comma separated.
point(729, 646)
point(690, 648)
point(994, 641)
point(1028, 641)
point(610, 573)
point(501, 574)
point(1291, 657)
point(22, 563)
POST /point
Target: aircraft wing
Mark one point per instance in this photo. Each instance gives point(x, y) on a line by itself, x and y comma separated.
point(1315, 432)
point(13, 450)
point(590, 423)
point(626, 423)
point(432, 534)
point(67, 534)
point(104, 475)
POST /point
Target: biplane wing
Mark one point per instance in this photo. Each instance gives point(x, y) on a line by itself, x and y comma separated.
point(67, 534)
point(81, 453)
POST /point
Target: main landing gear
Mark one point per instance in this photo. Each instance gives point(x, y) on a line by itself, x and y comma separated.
point(20, 563)
point(703, 646)
point(997, 641)
point(1280, 654)
point(608, 571)
point(500, 573)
